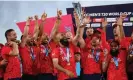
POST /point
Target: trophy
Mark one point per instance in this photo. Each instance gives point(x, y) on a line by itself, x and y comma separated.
point(78, 10)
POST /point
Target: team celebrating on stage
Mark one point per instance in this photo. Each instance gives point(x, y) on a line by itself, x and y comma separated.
point(40, 56)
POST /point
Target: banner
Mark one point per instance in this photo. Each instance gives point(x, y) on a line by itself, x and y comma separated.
point(111, 13)
point(66, 23)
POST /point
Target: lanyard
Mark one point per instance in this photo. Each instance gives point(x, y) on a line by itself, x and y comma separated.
point(46, 51)
point(130, 46)
point(67, 57)
point(96, 57)
point(32, 53)
point(116, 62)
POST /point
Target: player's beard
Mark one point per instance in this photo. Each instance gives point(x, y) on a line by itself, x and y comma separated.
point(114, 53)
point(45, 42)
point(64, 42)
point(31, 43)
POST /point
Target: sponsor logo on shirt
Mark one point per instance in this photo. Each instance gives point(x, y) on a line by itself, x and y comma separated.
point(127, 24)
point(95, 25)
point(111, 19)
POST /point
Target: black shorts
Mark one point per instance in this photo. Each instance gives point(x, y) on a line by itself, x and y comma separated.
point(15, 79)
point(28, 77)
point(73, 79)
point(81, 74)
point(130, 75)
point(91, 77)
point(55, 77)
point(1, 79)
point(45, 76)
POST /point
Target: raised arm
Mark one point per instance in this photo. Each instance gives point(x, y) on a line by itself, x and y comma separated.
point(25, 34)
point(104, 25)
point(56, 26)
point(120, 24)
point(36, 28)
point(41, 28)
point(80, 30)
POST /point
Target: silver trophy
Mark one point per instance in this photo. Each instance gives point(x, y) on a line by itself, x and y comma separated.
point(78, 9)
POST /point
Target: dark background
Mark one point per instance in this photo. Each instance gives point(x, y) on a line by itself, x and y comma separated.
point(108, 9)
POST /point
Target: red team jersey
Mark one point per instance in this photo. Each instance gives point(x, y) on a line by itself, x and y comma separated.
point(46, 64)
point(120, 73)
point(27, 59)
point(1, 68)
point(61, 53)
point(13, 69)
point(90, 65)
point(53, 45)
point(84, 53)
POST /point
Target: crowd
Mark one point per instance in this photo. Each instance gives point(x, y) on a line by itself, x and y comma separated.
point(40, 56)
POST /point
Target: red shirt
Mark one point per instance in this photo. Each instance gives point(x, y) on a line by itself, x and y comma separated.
point(46, 64)
point(129, 66)
point(60, 53)
point(104, 43)
point(83, 52)
point(1, 69)
point(91, 66)
point(124, 43)
point(74, 48)
point(36, 64)
point(120, 73)
point(53, 45)
point(27, 60)
point(13, 69)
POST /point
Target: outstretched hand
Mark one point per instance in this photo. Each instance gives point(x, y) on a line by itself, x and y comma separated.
point(29, 20)
point(104, 23)
point(36, 17)
point(59, 14)
point(44, 16)
point(121, 18)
